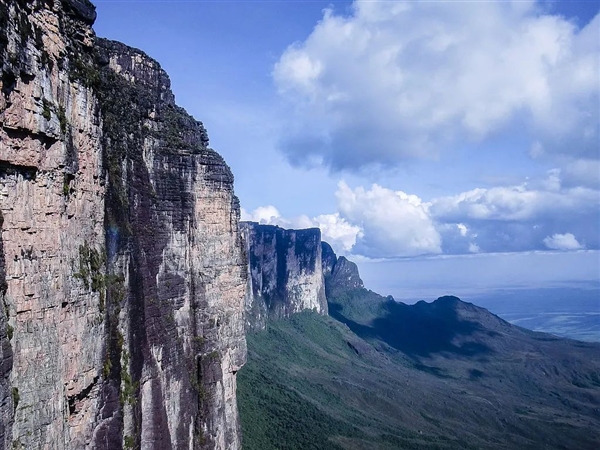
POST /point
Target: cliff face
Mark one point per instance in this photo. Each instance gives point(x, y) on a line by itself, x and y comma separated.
point(285, 272)
point(121, 268)
point(340, 274)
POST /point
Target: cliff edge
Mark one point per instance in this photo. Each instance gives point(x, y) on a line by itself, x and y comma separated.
point(284, 272)
point(122, 274)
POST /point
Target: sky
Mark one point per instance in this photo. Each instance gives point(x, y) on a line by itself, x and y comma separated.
point(446, 147)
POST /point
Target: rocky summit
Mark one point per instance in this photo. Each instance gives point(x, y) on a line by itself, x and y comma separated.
point(122, 273)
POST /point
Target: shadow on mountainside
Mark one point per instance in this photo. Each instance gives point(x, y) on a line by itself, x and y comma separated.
point(420, 330)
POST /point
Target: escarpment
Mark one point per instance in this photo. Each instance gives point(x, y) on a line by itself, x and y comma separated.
point(285, 272)
point(339, 273)
point(122, 274)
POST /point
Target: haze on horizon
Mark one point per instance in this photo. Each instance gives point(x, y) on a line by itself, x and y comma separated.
point(441, 145)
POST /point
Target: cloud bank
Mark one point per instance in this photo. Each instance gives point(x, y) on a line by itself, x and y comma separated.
point(400, 80)
point(377, 222)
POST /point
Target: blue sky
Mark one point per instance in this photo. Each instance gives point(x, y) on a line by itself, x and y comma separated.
point(424, 138)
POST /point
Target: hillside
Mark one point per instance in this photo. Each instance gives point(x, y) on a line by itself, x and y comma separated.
point(443, 375)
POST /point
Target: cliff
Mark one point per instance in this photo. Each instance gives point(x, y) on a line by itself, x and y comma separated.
point(284, 272)
point(340, 274)
point(122, 273)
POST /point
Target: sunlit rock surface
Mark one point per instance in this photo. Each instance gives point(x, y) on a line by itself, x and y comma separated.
point(122, 274)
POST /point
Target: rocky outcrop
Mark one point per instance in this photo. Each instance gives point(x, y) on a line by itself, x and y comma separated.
point(121, 268)
point(284, 272)
point(340, 274)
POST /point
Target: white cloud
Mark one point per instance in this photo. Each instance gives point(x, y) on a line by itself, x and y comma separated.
point(514, 203)
point(392, 223)
point(396, 80)
point(474, 248)
point(562, 242)
point(337, 231)
point(263, 214)
point(377, 222)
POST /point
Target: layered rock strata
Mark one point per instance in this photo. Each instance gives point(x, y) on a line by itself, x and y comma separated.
point(122, 276)
point(285, 273)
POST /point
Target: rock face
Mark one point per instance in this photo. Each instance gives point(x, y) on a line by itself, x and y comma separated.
point(122, 274)
point(285, 272)
point(340, 274)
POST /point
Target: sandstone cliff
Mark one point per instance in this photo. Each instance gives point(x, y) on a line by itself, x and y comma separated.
point(122, 276)
point(285, 272)
point(340, 274)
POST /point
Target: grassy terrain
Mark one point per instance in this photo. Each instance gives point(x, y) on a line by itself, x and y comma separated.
point(447, 375)
point(306, 386)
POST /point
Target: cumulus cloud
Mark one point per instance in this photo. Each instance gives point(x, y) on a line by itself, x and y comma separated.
point(517, 218)
point(377, 222)
point(397, 80)
point(392, 223)
point(263, 214)
point(562, 242)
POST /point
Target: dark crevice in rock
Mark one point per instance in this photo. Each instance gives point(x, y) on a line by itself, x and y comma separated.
point(8, 169)
point(73, 400)
point(22, 134)
point(9, 82)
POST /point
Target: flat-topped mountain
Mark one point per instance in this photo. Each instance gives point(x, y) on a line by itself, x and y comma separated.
point(285, 273)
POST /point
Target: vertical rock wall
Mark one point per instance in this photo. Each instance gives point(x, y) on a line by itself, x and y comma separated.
point(285, 272)
point(122, 278)
point(176, 336)
point(6, 357)
point(340, 274)
point(51, 196)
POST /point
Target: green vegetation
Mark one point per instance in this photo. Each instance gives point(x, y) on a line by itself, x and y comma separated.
point(106, 366)
point(84, 72)
point(91, 267)
point(67, 178)
point(15, 397)
point(129, 388)
point(62, 119)
point(381, 376)
point(91, 272)
point(305, 386)
point(129, 442)
point(46, 109)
